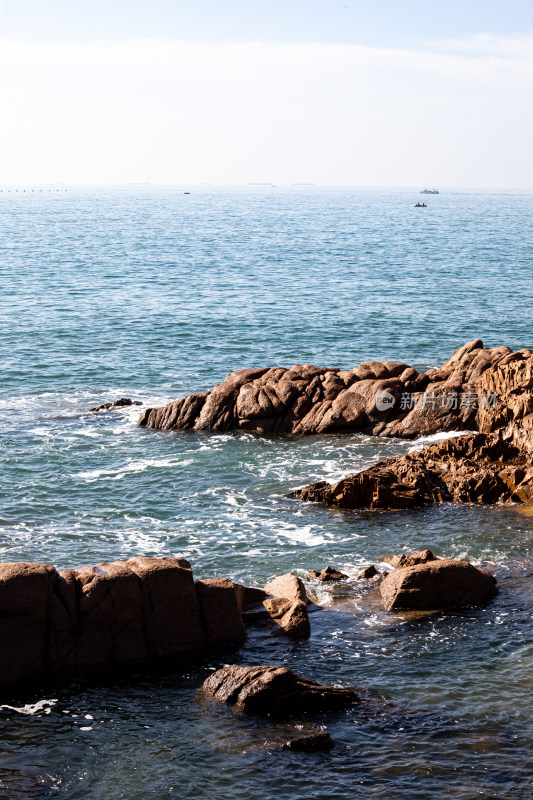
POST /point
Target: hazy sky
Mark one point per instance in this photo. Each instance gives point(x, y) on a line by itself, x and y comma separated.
point(372, 92)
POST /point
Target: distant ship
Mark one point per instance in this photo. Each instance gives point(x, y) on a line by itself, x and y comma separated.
point(429, 191)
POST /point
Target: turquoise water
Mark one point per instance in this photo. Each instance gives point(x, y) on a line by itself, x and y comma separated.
point(153, 294)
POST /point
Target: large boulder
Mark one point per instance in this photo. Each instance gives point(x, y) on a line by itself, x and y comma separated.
point(442, 584)
point(275, 690)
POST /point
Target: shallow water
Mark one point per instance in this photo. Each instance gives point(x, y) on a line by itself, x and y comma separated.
point(152, 294)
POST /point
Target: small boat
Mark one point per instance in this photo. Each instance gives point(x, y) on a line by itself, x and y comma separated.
point(429, 191)
point(420, 205)
point(186, 192)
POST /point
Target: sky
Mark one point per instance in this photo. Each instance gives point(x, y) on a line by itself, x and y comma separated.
point(353, 93)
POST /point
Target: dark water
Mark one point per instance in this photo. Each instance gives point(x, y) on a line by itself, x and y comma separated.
point(155, 294)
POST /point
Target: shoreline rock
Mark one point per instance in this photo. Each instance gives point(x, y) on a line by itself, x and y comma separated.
point(372, 398)
point(112, 617)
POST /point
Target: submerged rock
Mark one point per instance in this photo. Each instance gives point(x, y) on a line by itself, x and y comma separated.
point(383, 398)
point(440, 584)
point(328, 574)
point(312, 743)
point(275, 690)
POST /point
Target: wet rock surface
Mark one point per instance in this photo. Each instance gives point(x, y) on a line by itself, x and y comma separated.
point(383, 398)
point(275, 690)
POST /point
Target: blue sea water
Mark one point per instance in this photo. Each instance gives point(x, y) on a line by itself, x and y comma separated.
point(152, 294)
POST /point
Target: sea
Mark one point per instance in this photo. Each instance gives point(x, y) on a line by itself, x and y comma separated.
point(150, 293)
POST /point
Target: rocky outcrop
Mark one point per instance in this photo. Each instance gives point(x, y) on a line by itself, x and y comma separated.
point(510, 386)
point(288, 606)
point(383, 398)
point(475, 468)
point(275, 690)
point(111, 616)
point(439, 584)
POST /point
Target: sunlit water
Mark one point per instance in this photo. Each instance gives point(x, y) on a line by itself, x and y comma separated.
point(155, 294)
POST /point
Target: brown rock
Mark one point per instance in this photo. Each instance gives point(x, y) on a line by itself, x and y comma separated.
point(309, 400)
point(275, 690)
point(369, 572)
point(444, 584)
point(473, 468)
point(248, 595)
point(410, 559)
point(328, 574)
point(289, 586)
point(171, 614)
point(25, 596)
point(288, 608)
point(220, 612)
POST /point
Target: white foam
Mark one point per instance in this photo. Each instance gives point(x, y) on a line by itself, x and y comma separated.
point(424, 441)
point(132, 467)
point(40, 707)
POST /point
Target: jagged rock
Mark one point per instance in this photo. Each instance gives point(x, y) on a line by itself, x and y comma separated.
point(312, 743)
point(288, 607)
point(290, 615)
point(328, 574)
point(124, 401)
point(383, 398)
point(369, 572)
point(473, 468)
point(443, 584)
point(275, 690)
point(507, 400)
point(220, 612)
point(410, 559)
